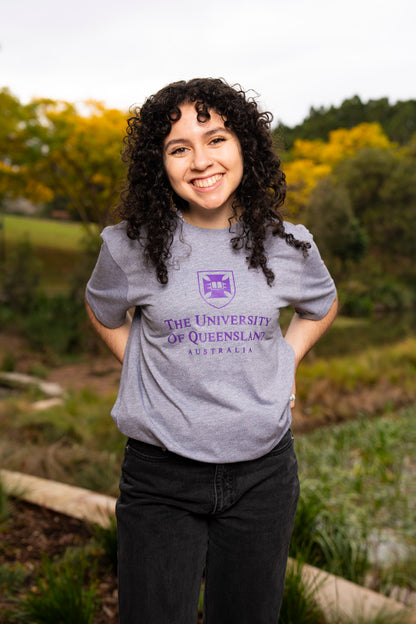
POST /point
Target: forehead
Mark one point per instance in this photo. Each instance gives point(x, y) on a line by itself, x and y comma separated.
point(192, 120)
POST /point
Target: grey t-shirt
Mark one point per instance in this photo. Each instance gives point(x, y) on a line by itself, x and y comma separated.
point(207, 373)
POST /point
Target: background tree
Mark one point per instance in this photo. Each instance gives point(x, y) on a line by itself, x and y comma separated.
point(339, 235)
point(397, 120)
point(81, 158)
point(19, 150)
point(314, 160)
point(52, 151)
point(382, 189)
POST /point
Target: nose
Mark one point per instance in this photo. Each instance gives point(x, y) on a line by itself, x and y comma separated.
point(201, 159)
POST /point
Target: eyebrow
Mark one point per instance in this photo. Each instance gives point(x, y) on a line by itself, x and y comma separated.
point(207, 134)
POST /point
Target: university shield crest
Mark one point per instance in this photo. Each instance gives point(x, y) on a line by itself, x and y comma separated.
point(217, 288)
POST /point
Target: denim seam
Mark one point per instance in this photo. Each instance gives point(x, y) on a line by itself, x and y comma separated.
point(217, 485)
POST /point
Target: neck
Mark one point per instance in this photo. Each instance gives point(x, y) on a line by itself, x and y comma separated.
point(212, 219)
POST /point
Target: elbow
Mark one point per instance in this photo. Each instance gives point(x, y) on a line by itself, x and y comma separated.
point(333, 310)
point(335, 305)
point(90, 313)
point(87, 307)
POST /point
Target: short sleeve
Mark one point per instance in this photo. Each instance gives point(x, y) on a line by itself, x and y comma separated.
point(316, 288)
point(107, 290)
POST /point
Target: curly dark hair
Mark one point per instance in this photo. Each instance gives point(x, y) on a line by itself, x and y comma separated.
point(148, 201)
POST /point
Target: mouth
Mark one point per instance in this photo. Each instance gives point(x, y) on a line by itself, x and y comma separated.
point(206, 183)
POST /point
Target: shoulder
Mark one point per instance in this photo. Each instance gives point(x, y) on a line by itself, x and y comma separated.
point(299, 231)
point(124, 250)
point(277, 246)
point(116, 232)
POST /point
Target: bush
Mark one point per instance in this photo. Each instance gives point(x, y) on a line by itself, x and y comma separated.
point(357, 306)
point(12, 576)
point(325, 541)
point(106, 539)
point(390, 294)
point(299, 605)
point(20, 273)
point(55, 324)
point(60, 595)
point(4, 505)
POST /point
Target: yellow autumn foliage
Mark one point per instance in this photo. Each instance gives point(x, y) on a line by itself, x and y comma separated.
point(84, 164)
point(313, 160)
point(302, 175)
point(17, 179)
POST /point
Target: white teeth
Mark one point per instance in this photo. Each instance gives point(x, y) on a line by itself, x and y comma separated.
point(206, 182)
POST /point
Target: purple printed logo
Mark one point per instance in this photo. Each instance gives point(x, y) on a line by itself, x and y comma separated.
point(217, 288)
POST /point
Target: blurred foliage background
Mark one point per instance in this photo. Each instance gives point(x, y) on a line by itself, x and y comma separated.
point(350, 169)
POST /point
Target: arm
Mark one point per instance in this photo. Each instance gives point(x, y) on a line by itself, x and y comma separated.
point(115, 339)
point(302, 333)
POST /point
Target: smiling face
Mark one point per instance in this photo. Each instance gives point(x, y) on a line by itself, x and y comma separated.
point(204, 165)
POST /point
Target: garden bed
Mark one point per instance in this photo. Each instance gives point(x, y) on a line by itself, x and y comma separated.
point(30, 534)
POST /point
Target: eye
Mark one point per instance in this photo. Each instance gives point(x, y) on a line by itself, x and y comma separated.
point(178, 151)
point(217, 140)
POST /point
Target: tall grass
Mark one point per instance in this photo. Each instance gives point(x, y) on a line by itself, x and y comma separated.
point(384, 616)
point(12, 576)
point(299, 604)
point(106, 540)
point(4, 504)
point(326, 540)
point(62, 593)
point(363, 470)
point(394, 362)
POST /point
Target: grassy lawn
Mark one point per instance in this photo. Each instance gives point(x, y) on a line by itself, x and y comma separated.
point(43, 233)
point(58, 246)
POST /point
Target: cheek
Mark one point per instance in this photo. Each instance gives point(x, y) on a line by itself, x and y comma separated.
point(240, 167)
point(238, 159)
point(171, 173)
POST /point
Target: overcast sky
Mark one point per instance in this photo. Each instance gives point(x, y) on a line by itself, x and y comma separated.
point(294, 53)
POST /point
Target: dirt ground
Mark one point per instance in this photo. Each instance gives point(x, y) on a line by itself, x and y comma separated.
point(100, 373)
point(32, 532)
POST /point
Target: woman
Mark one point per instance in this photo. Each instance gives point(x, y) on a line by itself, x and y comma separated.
point(209, 478)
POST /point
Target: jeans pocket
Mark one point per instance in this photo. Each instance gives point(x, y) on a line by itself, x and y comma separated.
point(284, 445)
point(146, 452)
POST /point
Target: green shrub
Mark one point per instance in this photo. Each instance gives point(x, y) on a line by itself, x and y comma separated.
point(299, 604)
point(106, 539)
point(390, 294)
point(55, 324)
point(384, 616)
point(20, 273)
point(62, 594)
point(302, 545)
point(12, 576)
point(324, 540)
point(4, 505)
point(8, 363)
point(340, 552)
point(400, 573)
point(357, 305)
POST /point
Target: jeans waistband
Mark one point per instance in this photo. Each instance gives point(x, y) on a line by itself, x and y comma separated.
point(152, 450)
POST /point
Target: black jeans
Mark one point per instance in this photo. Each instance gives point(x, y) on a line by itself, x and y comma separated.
point(176, 516)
